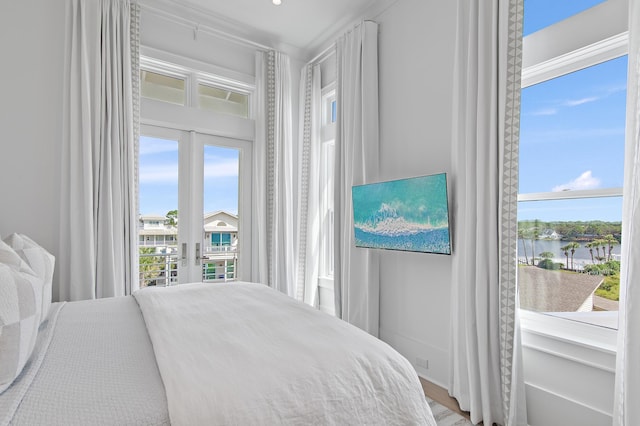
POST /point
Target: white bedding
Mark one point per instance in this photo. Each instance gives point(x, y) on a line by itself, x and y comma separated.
point(244, 354)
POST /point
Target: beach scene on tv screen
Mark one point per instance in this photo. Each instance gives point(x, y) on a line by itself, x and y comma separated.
point(407, 214)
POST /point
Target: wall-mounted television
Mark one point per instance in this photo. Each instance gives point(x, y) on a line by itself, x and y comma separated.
point(407, 214)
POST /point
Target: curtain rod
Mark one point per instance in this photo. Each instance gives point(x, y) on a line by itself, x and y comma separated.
point(204, 28)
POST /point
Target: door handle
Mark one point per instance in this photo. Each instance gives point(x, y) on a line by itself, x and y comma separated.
point(183, 255)
point(198, 257)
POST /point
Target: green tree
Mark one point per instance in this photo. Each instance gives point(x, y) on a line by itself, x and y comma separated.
point(590, 246)
point(610, 241)
point(546, 255)
point(535, 234)
point(573, 246)
point(522, 234)
point(172, 217)
point(150, 266)
point(565, 250)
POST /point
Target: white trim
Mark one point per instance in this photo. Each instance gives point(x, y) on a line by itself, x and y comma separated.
point(568, 195)
point(601, 51)
point(567, 331)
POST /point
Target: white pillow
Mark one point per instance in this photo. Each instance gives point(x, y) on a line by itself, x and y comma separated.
point(40, 261)
point(20, 303)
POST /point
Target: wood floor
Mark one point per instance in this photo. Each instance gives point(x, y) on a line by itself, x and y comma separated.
point(441, 396)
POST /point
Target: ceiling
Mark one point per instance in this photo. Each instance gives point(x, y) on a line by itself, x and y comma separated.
point(300, 24)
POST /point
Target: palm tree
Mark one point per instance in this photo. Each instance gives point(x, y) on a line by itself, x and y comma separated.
point(566, 249)
point(522, 235)
point(589, 245)
point(535, 233)
point(596, 244)
point(573, 246)
point(603, 244)
point(611, 241)
point(546, 255)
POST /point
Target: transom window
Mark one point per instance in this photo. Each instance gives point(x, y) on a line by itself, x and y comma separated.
point(167, 82)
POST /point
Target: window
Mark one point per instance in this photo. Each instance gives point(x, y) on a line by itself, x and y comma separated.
point(327, 160)
point(163, 87)
point(220, 239)
point(571, 163)
point(223, 100)
point(179, 85)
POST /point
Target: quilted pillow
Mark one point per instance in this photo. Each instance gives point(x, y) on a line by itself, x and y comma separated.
point(20, 302)
point(40, 261)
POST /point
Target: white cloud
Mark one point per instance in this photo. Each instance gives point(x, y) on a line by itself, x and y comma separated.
point(545, 111)
point(576, 102)
point(584, 181)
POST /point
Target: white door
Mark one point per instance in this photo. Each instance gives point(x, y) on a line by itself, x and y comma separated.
point(194, 206)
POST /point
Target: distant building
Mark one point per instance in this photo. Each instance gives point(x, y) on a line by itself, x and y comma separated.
point(219, 248)
point(550, 234)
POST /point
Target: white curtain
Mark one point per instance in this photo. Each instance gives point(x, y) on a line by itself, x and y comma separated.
point(627, 385)
point(485, 360)
point(356, 271)
point(274, 152)
point(98, 226)
point(309, 189)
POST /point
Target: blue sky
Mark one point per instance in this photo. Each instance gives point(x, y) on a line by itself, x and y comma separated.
point(572, 129)
point(159, 177)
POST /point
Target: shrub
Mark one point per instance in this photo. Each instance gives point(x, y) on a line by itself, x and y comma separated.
point(549, 264)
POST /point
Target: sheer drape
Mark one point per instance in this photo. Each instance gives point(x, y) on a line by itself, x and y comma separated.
point(485, 367)
point(356, 271)
point(274, 164)
point(309, 189)
point(627, 386)
point(98, 226)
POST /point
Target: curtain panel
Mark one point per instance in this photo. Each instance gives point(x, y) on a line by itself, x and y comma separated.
point(627, 384)
point(485, 359)
point(274, 261)
point(309, 190)
point(356, 271)
point(98, 224)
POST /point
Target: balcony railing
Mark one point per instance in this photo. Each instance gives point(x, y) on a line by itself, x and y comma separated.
point(158, 269)
point(220, 249)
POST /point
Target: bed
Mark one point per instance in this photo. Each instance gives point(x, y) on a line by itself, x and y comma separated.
point(205, 354)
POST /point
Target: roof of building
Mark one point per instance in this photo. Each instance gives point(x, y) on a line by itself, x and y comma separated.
point(542, 290)
point(152, 217)
point(159, 231)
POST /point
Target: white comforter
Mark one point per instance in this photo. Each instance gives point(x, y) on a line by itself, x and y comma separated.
point(244, 354)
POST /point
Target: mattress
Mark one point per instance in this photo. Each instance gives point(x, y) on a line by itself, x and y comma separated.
point(93, 365)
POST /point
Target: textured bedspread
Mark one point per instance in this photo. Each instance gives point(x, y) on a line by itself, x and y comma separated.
point(244, 354)
point(93, 365)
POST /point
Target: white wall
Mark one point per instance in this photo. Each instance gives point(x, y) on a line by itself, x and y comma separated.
point(31, 72)
point(416, 46)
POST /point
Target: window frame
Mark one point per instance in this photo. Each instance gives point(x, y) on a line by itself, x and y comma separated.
point(327, 163)
point(559, 49)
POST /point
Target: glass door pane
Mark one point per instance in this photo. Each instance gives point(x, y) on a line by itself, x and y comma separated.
point(158, 211)
point(220, 221)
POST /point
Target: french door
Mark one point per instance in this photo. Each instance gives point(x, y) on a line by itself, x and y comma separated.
point(194, 207)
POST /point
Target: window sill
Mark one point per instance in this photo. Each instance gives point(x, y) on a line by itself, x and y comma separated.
point(558, 331)
point(325, 282)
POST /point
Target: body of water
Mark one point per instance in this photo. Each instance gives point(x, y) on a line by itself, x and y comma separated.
point(581, 257)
